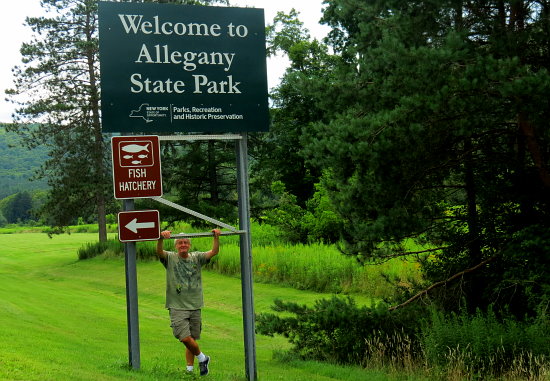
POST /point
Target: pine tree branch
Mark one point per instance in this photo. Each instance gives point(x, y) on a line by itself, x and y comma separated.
point(407, 253)
point(443, 282)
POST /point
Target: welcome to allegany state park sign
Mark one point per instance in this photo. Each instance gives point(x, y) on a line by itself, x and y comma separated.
point(182, 68)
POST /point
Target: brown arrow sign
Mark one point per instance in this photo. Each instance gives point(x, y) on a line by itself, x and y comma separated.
point(138, 225)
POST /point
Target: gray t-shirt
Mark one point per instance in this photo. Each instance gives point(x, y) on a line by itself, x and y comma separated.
point(184, 280)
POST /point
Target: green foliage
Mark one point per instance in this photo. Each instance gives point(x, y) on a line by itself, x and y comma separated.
point(436, 128)
point(483, 343)
point(285, 32)
point(335, 330)
point(321, 222)
point(109, 248)
point(21, 207)
point(278, 154)
point(17, 207)
point(315, 267)
point(57, 88)
point(202, 176)
point(455, 346)
point(317, 222)
point(18, 165)
point(145, 251)
point(526, 268)
point(288, 215)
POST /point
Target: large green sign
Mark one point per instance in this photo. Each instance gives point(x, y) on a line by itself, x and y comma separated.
point(182, 68)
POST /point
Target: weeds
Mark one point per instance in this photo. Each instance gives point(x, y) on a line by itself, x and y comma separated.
point(109, 248)
point(391, 351)
point(315, 267)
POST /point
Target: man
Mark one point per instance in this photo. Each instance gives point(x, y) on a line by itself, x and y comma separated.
point(184, 297)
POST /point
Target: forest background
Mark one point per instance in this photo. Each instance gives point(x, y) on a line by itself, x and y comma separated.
point(416, 129)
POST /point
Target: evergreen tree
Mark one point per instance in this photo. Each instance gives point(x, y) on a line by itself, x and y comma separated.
point(202, 176)
point(16, 208)
point(57, 87)
point(440, 133)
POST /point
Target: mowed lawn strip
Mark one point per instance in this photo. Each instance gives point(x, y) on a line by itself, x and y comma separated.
point(64, 319)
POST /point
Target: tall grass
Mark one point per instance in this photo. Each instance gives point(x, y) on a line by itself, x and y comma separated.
point(484, 344)
point(314, 267)
point(396, 355)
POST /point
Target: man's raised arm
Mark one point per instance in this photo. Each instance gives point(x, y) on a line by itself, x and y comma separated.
point(160, 244)
point(215, 244)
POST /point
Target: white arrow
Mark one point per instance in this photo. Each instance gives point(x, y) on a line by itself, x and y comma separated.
point(133, 225)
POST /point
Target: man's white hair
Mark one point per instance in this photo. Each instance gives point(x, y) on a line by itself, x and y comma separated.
point(183, 238)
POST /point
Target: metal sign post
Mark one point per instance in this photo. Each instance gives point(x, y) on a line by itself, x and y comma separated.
point(144, 225)
point(131, 297)
point(246, 259)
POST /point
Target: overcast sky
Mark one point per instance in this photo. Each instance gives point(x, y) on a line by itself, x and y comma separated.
point(14, 33)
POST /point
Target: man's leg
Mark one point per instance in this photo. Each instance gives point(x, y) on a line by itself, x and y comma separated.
point(192, 350)
point(189, 357)
point(180, 322)
point(187, 327)
point(192, 347)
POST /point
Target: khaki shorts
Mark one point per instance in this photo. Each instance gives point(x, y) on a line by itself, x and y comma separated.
point(186, 323)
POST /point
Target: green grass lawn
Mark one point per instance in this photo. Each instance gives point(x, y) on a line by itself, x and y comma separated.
point(64, 319)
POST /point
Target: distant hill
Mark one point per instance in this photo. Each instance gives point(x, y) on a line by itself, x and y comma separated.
point(18, 165)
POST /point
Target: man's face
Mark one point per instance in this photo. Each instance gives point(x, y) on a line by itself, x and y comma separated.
point(182, 246)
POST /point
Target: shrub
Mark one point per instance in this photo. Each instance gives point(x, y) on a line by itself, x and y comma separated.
point(91, 250)
point(337, 329)
point(288, 215)
point(318, 222)
point(114, 248)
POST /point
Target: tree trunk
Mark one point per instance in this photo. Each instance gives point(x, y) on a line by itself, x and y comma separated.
point(475, 284)
point(101, 219)
point(528, 132)
point(99, 146)
point(473, 223)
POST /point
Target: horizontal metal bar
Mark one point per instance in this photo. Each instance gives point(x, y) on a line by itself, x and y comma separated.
point(205, 234)
point(201, 137)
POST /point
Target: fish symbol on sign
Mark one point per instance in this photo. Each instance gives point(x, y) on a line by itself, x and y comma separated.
point(136, 162)
point(133, 148)
point(143, 156)
point(127, 157)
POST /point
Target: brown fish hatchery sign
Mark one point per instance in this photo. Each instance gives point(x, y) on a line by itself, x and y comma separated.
point(182, 68)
